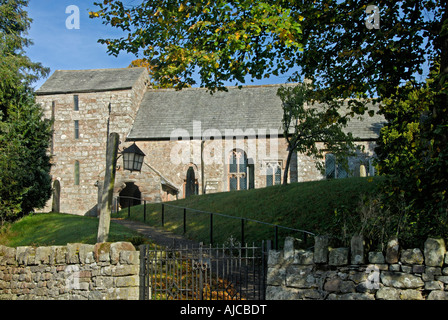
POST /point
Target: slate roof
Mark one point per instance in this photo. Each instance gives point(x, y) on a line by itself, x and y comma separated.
point(93, 80)
point(252, 107)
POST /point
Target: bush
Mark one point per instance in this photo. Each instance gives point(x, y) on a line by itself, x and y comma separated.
point(412, 152)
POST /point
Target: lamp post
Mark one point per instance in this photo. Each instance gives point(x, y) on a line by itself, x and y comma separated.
point(132, 161)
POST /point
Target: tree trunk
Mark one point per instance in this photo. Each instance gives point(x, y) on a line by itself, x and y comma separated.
point(288, 161)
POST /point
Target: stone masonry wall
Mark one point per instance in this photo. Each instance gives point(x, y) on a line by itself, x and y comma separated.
point(89, 148)
point(353, 274)
point(173, 158)
point(105, 271)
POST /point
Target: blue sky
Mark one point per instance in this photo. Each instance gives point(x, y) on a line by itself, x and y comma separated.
point(60, 48)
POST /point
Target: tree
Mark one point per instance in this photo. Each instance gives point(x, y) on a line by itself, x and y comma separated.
point(221, 40)
point(25, 182)
point(346, 60)
point(150, 67)
point(328, 42)
point(17, 71)
point(412, 153)
point(413, 145)
point(307, 123)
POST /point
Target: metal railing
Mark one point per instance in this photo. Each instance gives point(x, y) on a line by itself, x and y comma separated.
point(212, 215)
point(203, 273)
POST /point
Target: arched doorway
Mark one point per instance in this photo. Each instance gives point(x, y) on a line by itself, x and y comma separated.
point(56, 204)
point(130, 195)
point(191, 185)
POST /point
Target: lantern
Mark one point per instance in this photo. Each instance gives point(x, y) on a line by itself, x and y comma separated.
point(133, 158)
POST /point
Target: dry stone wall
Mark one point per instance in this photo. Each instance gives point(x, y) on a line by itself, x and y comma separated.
point(327, 273)
point(105, 271)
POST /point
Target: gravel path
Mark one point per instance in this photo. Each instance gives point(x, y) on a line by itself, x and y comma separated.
point(158, 236)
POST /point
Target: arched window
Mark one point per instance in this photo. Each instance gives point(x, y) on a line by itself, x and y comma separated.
point(237, 174)
point(191, 186)
point(273, 174)
point(191, 183)
point(372, 170)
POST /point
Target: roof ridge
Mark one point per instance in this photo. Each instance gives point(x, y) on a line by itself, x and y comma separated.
point(100, 69)
point(249, 86)
point(91, 80)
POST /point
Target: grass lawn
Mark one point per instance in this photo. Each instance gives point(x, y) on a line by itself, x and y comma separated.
point(310, 206)
point(42, 229)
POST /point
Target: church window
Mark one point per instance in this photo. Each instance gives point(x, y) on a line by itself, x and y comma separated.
point(273, 174)
point(372, 170)
point(191, 185)
point(76, 102)
point(76, 173)
point(333, 169)
point(237, 174)
point(76, 129)
point(53, 113)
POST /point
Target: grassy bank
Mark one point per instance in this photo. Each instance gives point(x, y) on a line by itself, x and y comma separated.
point(58, 229)
point(320, 207)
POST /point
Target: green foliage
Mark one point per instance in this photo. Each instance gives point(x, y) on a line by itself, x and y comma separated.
point(24, 135)
point(222, 40)
point(306, 124)
point(24, 165)
point(145, 64)
point(17, 72)
point(328, 43)
point(348, 60)
point(412, 151)
point(309, 206)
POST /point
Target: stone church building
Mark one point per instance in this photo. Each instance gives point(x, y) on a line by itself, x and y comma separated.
point(194, 142)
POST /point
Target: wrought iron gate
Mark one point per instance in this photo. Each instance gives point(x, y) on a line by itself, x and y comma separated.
point(203, 273)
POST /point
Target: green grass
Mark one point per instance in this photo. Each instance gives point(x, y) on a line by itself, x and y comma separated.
point(42, 229)
point(309, 206)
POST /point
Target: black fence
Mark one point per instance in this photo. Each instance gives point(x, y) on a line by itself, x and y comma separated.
point(170, 212)
point(203, 273)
